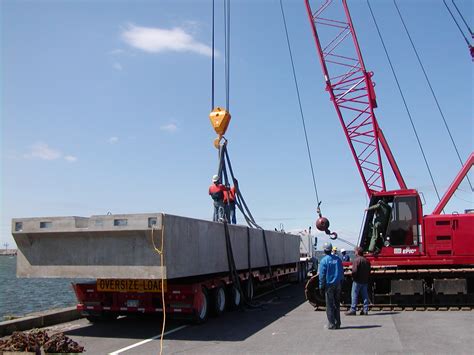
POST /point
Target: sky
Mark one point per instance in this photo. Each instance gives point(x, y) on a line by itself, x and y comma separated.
point(104, 108)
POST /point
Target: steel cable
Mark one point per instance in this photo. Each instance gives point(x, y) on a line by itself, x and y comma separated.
point(227, 52)
point(462, 18)
point(431, 88)
point(404, 101)
point(212, 56)
point(457, 24)
point(299, 101)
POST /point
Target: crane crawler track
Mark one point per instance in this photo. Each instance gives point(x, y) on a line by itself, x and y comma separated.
point(408, 289)
point(392, 308)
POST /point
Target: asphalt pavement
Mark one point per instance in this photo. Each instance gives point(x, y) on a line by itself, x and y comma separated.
point(282, 324)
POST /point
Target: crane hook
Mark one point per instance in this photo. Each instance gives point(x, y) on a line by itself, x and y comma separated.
point(220, 119)
point(322, 223)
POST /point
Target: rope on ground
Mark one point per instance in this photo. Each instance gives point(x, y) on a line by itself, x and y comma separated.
point(161, 252)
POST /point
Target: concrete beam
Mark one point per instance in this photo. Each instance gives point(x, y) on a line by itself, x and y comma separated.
point(124, 246)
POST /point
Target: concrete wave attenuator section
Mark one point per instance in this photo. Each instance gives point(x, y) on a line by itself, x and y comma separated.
point(123, 246)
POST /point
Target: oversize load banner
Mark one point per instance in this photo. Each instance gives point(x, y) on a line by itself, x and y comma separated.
point(129, 285)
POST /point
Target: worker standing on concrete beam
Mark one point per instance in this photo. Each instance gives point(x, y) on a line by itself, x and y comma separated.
point(229, 202)
point(216, 191)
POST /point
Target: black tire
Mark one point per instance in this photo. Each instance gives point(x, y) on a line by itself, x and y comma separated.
point(235, 297)
point(201, 304)
point(219, 300)
point(249, 289)
point(312, 293)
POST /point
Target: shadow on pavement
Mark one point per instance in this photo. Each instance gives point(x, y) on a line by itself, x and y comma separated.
point(230, 326)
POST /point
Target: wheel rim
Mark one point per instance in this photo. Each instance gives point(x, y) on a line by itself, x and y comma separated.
point(236, 296)
point(220, 299)
point(202, 305)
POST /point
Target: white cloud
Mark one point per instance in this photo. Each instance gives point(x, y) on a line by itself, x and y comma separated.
point(118, 66)
point(70, 158)
point(42, 151)
point(156, 40)
point(113, 140)
point(170, 127)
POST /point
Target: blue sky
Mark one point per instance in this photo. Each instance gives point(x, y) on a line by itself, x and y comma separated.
point(104, 107)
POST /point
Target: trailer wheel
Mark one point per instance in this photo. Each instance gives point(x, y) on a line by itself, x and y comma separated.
point(235, 297)
point(219, 300)
point(249, 288)
point(201, 306)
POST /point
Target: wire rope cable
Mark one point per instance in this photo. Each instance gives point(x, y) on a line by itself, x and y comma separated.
point(457, 24)
point(299, 100)
point(212, 55)
point(431, 88)
point(463, 19)
point(404, 101)
point(227, 52)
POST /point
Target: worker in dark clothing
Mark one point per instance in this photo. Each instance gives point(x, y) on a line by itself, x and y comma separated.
point(331, 274)
point(216, 191)
point(229, 202)
point(360, 280)
point(345, 256)
point(380, 223)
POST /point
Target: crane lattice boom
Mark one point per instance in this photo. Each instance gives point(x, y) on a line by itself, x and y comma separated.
point(352, 91)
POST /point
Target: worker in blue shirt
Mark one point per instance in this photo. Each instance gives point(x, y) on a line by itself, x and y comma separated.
point(331, 274)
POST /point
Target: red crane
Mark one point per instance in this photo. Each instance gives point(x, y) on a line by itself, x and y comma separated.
point(418, 260)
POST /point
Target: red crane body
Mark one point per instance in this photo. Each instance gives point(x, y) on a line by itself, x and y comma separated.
point(410, 241)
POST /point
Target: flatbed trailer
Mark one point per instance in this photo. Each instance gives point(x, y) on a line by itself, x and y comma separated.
point(191, 298)
point(136, 261)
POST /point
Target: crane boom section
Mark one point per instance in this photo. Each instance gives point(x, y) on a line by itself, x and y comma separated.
point(351, 90)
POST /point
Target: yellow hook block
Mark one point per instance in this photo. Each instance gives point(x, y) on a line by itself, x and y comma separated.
point(220, 120)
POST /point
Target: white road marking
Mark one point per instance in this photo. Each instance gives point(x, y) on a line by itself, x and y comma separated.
point(147, 340)
point(179, 328)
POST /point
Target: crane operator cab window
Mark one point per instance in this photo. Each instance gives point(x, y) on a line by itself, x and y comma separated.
point(403, 227)
point(391, 221)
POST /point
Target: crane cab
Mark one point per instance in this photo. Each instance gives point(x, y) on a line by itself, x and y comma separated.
point(392, 225)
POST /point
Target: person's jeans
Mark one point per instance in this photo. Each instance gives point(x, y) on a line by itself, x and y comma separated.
point(333, 302)
point(362, 289)
point(219, 211)
point(232, 217)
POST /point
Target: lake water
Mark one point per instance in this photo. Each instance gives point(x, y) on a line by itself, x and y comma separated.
point(22, 296)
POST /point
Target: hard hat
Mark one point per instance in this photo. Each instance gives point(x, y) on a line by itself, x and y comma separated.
point(215, 178)
point(343, 250)
point(334, 249)
point(327, 246)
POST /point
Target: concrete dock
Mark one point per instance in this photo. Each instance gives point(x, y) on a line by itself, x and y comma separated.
point(283, 325)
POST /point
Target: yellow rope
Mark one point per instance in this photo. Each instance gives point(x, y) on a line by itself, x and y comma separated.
point(161, 253)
